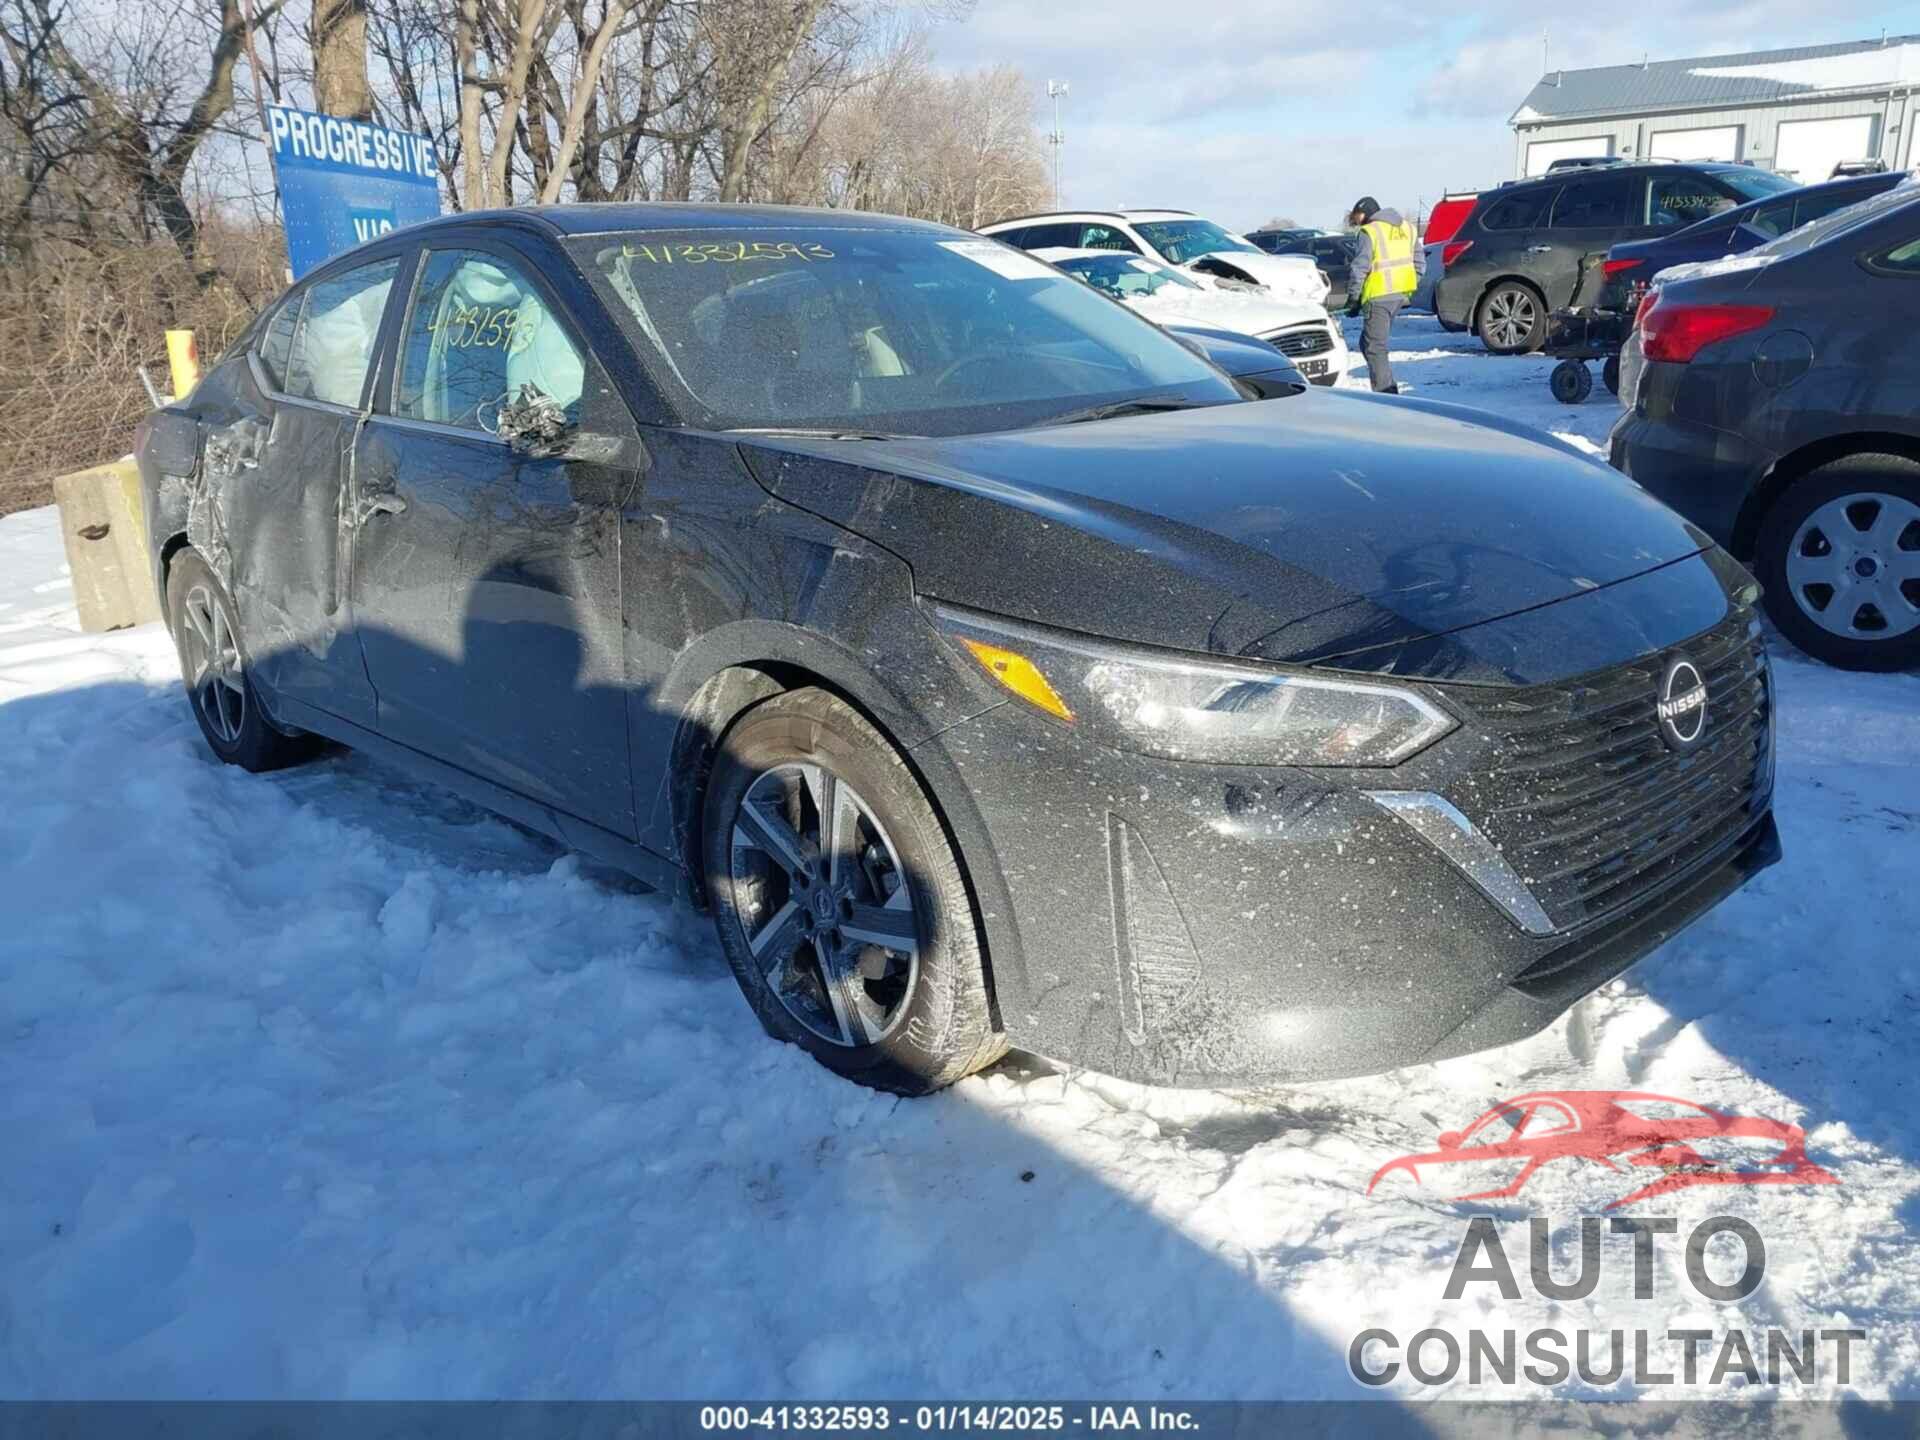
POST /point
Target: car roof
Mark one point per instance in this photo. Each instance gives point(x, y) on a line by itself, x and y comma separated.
point(1053, 216)
point(1568, 176)
point(616, 217)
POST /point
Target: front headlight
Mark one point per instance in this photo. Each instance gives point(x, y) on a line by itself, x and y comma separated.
point(1192, 708)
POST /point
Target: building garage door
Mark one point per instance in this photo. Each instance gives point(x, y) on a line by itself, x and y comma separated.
point(1542, 153)
point(1809, 149)
point(1720, 143)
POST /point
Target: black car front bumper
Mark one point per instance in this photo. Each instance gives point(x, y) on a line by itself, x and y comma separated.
point(1183, 923)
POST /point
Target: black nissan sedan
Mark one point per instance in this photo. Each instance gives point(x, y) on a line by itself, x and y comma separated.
point(995, 671)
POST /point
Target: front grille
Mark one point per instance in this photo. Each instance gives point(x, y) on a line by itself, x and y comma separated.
point(1584, 798)
point(1299, 344)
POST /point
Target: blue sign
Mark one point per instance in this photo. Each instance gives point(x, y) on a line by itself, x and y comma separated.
point(343, 182)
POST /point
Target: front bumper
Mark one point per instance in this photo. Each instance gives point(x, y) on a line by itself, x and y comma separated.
point(1182, 923)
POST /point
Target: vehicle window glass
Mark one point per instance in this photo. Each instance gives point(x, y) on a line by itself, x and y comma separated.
point(275, 345)
point(1517, 212)
point(1677, 201)
point(1605, 201)
point(1751, 184)
point(478, 333)
point(1182, 240)
point(339, 326)
point(1334, 250)
point(1049, 237)
point(1841, 222)
point(1105, 237)
point(1016, 237)
point(876, 329)
point(1771, 220)
point(1902, 257)
point(1124, 275)
point(1814, 206)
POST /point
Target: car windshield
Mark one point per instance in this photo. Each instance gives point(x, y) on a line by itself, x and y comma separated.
point(1817, 232)
point(1184, 240)
point(1126, 275)
point(876, 330)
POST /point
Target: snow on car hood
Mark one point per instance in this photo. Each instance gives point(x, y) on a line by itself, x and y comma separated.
point(1249, 312)
point(1285, 277)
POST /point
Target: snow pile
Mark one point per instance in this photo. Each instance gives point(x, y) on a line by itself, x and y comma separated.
point(326, 1084)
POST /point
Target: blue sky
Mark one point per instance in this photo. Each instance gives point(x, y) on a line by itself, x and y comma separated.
point(1244, 109)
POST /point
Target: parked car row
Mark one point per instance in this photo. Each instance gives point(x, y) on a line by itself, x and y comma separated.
point(1773, 398)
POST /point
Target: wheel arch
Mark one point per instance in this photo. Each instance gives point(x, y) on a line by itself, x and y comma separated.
point(716, 692)
point(164, 557)
point(1796, 464)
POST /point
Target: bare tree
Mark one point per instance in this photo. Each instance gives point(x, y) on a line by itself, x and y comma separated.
point(338, 36)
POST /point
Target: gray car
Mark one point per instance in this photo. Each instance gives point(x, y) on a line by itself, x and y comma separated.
point(1774, 400)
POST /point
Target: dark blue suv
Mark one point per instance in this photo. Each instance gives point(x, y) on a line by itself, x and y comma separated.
point(1740, 229)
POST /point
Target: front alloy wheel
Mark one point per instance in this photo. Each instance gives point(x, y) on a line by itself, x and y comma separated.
point(839, 900)
point(825, 906)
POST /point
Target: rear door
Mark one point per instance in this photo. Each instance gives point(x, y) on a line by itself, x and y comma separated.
point(1593, 211)
point(278, 479)
point(486, 574)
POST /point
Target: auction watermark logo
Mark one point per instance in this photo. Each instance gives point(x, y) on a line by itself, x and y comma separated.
point(1628, 1134)
point(1683, 1143)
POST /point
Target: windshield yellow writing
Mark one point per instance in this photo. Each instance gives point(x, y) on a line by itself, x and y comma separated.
point(726, 252)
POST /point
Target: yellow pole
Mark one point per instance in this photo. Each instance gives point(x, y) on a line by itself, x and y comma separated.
point(184, 360)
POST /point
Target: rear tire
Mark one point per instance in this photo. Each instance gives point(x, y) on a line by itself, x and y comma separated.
point(1839, 555)
point(213, 665)
point(820, 845)
point(1610, 374)
point(1512, 319)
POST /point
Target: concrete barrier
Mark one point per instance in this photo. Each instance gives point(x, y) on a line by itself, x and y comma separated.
point(106, 537)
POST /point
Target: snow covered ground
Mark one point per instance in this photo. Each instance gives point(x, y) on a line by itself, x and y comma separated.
point(325, 1084)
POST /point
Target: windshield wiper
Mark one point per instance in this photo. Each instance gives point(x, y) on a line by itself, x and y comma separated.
point(801, 433)
point(1145, 405)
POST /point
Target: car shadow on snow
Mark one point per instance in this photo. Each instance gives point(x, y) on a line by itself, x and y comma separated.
point(337, 1086)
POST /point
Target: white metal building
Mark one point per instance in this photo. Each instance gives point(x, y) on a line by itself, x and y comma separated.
point(1798, 111)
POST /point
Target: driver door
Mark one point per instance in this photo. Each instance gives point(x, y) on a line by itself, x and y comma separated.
point(486, 576)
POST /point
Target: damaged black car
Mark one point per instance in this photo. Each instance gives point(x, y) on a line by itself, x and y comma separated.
point(995, 669)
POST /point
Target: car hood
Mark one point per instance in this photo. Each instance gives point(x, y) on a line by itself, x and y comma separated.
point(1300, 529)
point(1286, 277)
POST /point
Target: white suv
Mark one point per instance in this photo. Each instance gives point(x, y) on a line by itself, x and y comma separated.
point(1179, 238)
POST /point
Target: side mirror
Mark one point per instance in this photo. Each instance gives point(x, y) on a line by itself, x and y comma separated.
point(532, 422)
point(1450, 1140)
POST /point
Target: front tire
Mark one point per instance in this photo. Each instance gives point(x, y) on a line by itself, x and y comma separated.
point(1839, 555)
point(206, 633)
point(839, 901)
point(1512, 319)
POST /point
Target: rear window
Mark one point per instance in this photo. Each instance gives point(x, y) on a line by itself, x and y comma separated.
point(1521, 211)
point(1840, 222)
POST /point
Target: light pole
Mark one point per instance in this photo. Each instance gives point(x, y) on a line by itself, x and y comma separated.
point(1055, 89)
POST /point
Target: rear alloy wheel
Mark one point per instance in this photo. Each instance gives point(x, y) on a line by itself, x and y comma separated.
point(839, 901)
point(1513, 319)
point(1839, 555)
point(206, 631)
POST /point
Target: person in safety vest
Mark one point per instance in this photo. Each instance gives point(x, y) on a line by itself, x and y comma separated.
point(1385, 271)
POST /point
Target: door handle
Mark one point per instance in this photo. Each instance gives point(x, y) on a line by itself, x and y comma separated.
point(1539, 249)
point(382, 504)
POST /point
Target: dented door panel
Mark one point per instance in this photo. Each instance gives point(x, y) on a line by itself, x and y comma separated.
point(266, 512)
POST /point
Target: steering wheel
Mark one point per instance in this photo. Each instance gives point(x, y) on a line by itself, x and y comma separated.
point(985, 357)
